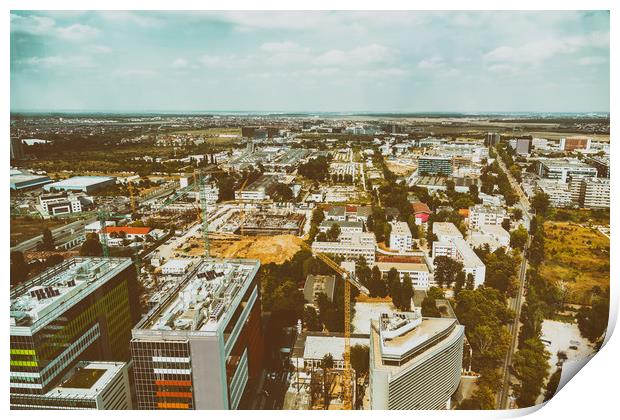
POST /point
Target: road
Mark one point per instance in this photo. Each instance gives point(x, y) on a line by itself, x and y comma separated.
point(517, 302)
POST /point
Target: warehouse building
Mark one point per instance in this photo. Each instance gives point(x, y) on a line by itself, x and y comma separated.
point(201, 347)
point(87, 184)
point(22, 180)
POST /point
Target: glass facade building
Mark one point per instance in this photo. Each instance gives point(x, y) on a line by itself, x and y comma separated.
point(77, 310)
point(202, 346)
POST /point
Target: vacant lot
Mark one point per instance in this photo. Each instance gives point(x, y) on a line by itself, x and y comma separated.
point(576, 257)
point(23, 228)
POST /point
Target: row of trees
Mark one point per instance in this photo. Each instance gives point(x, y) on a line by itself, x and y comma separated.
point(317, 169)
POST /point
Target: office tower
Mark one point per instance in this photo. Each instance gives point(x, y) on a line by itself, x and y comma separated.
point(202, 346)
point(77, 310)
point(415, 362)
point(492, 139)
point(17, 148)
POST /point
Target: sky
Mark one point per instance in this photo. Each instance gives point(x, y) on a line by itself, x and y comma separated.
point(478, 61)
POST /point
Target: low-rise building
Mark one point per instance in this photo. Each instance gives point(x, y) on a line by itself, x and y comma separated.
point(316, 284)
point(418, 272)
point(88, 385)
point(458, 249)
point(446, 231)
point(350, 245)
point(564, 169)
point(345, 227)
point(56, 204)
point(177, 267)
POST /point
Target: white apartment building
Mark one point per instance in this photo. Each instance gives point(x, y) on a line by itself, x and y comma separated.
point(345, 227)
point(558, 192)
point(458, 249)
point(494, 236)
point(446, 231)
point(595, 192)
point(350, 245)
point(400, 237)
point(418, 272)
point(564, 169)
point(485, 215)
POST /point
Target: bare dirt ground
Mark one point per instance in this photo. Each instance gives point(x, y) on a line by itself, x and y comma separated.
point(268, 249)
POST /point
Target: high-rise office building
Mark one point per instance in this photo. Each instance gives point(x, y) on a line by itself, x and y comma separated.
point(77, 310)
point(202, 346)
point(492, 139)
point(415, 362)
point(17, 148)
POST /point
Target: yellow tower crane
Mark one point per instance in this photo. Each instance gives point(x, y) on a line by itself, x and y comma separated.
point(241, 209)
point(132, 197)
point(347, 382)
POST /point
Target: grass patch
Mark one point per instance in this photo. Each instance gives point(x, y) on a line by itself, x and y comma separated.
point(576, 257)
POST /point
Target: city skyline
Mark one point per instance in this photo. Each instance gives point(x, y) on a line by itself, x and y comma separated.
point(308, 61)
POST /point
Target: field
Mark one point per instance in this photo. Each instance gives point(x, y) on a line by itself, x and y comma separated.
point(212, 135)
point(267, 249)
point(576, 257)
point(23, 228)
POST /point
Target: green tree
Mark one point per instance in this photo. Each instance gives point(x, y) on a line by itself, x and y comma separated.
point(91, 246)
point(530, 366)
point(459, 282)
point(333, 233)
point(552, 384)
point(518, 238)
point(377, 285)
point(360, 358)
point(406, 293)
point(19, 268)
point(446, 270)
point(48, 240)
point(540, 203)
point(311, 319)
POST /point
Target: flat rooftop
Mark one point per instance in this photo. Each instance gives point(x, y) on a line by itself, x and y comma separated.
point(40, 300)
point(565, 163)
point(203, 298)
point(401, 339)
point(400, 228)
point(446, 229)
point(86, 380)
point(81, 181)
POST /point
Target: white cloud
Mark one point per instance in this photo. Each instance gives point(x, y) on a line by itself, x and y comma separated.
point(46, 26)
point(431, 62)
point(100, 49)
point(77, 32)
point(34, 25)
point(79, 61)
point(281, 47)
point(589, 61)
point(225, 61)
point(139, 19)
point(541, 50)
point(180, 63)
point(133, 73)
point(369, 54)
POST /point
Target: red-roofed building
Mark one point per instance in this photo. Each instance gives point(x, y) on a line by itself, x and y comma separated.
point(421, 212)
point(116, 234)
